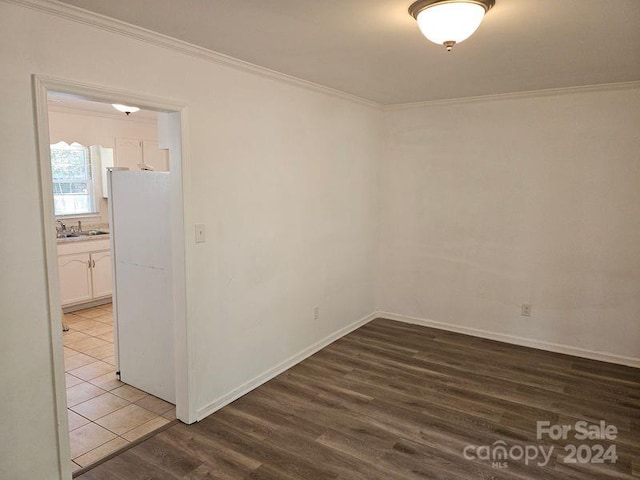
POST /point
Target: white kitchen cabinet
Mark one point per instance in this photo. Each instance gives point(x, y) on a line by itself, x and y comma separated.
point(154, 156)
point(101, 274)
point(75, 278)
point(101, 159)
point(131, 152)
point(128, 153)
point(84, 277)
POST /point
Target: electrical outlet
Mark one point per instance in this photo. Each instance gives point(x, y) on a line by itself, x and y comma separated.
point(526, 309)
point(316, 313)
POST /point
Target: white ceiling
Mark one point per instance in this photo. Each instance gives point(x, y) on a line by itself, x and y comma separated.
point(373, 48)
point(75, 102)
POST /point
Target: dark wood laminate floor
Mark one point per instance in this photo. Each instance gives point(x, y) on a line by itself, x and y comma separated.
point(395, 401)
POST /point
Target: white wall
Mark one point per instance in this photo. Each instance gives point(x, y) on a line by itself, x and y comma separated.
point(482, 205)
point(486, 204)
point(97, 129)
point(283, 176)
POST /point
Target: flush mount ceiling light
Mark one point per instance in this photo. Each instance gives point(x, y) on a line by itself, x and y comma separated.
point(447, 22)
point(126, 109)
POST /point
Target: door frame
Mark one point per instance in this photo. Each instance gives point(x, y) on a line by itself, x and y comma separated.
point(185, 404)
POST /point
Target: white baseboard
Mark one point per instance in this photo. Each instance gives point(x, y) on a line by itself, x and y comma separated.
point(84, 305)
point(236, 393)
point(524, 342)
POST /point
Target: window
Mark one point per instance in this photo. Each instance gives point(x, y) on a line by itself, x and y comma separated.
point(73, 180)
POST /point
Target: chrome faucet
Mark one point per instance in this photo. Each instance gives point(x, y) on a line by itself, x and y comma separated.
point(61, 229)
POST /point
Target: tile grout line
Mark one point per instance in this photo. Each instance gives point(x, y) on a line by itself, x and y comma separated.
point(124, 448)
point(86, 337)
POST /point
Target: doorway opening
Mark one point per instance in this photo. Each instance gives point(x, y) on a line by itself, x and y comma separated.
point(108, 178)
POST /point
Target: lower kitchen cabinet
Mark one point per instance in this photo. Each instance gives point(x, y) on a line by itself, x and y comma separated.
point(75, 278)
point(101, 274)
point(84, 277)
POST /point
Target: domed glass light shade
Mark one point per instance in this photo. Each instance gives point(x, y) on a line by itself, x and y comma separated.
point(125, 108)
point(448, 22)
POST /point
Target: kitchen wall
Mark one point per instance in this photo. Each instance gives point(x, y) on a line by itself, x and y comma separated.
point(88, 129)
point(489, 203)
point(284, 177)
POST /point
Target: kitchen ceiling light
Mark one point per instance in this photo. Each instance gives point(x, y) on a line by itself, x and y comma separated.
point(448, 22)
point(126, 109)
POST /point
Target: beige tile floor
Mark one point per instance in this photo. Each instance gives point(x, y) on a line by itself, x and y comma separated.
point(104, 413)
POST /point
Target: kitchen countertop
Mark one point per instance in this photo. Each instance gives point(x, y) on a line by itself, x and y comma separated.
point(84, 238)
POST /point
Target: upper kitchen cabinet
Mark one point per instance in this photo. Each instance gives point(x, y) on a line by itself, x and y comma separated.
point(154, 156)
point(102, 158)
point(128, 153)
point(136, 154)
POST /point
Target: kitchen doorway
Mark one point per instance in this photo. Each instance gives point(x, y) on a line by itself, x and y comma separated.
point(92, 325)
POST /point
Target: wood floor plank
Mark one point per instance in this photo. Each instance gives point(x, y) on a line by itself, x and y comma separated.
point(216, 458)
point(265, 452)
point(289, 438)
point(394, 401)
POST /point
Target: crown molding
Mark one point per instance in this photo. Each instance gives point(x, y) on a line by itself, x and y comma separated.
point(79, 15)
point(516, 95)
point(89, 113)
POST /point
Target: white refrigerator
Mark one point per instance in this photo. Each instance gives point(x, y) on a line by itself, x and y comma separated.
point(139, 214)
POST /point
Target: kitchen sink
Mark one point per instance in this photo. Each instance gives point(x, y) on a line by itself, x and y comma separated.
point(88, 233)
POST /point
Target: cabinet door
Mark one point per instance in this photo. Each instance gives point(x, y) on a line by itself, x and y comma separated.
point(101, 159)
point(158, 159)
point(75, 278)
point(101, 274)
point(128, 153)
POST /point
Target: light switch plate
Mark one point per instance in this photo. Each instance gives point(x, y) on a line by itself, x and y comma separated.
point(201, 234)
